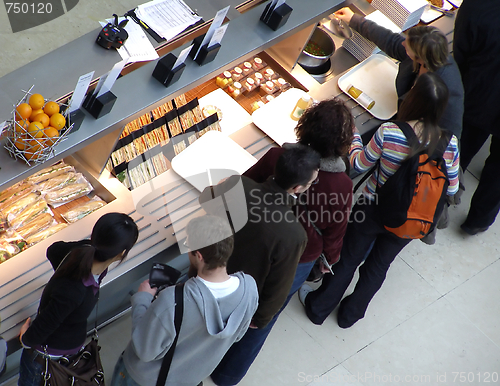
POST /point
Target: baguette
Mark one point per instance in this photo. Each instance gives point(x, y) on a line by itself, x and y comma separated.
point(39, 236)
point(29, 214)
point(49, 172)
point(80, 212)
point(18, 206)
point(41, 222)
point(68, 193)
point(58, 182)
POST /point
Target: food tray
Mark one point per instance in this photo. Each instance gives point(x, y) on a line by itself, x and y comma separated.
point(376, 76)
point(274, 117)
point(234, 117)
point(211, 158)
point(431, 14)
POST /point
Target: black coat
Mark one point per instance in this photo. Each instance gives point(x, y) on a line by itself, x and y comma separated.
point(476, 47)
point(268, 241)
point(391, 44)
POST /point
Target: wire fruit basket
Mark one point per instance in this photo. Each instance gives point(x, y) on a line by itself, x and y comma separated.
point(34, 144)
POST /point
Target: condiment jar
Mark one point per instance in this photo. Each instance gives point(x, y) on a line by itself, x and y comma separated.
point(249, 85)
point(236, 90)
point(267, 98)
point(247, 69)
point(257, 64)
point(282, 84)
point(258, 78)
point(269, 74)
point(268, 87)
point(237, 74)
point(224, 79)
point(256, 105)
point(302, 104)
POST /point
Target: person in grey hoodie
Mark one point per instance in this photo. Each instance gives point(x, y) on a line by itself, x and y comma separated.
point(218, 309)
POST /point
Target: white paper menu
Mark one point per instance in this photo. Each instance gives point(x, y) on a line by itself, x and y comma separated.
point(217, 36)
point(111, 78)
point(216, 23)
point(182, 56)
point(79, 94)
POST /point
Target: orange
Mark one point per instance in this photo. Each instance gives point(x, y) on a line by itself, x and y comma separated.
point(19, 143)
point(36, 101)
point(57, 121)
point(52, 134)
point(34, 113)
point(42, 118)
point(31, 155)
point(35, 129)
point(23, 111)
point(51, 108)
point(21, 126)
point(34, 145)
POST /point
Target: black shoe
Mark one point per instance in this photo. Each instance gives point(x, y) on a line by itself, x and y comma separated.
point(472, 231)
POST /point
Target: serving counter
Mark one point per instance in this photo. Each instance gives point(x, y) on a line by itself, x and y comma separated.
point(23, 277)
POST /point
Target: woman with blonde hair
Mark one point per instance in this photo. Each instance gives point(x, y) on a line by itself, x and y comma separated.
point(425, 49)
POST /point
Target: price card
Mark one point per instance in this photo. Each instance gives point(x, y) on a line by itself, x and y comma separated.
point(111, 77)
point(216, 23)
point(217, 36)
point(182, 57)
point(79, 94)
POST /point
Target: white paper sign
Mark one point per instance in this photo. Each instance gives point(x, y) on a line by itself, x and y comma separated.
point(111, 77)
point(218, 20)
point(182, 57)
point(217, 36)
point(2, 127)
point(79, 94)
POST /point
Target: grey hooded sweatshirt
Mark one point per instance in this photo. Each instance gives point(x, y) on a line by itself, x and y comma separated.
point(209, 327)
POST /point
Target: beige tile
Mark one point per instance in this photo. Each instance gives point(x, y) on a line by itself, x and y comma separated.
point(403, 294)
point(479, 300)
point(455, 257)
point(289, 352)
point(436, 342)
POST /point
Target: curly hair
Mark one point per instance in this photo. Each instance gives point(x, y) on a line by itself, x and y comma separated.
point(327, 127)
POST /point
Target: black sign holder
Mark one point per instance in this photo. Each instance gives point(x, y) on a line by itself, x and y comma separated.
point(277, 17)
point(164, 72)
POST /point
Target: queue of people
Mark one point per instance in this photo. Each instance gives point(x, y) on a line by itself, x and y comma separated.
point(263, 231)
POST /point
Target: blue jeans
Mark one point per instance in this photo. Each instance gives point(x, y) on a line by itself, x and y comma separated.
point(241, 355)
point(30, 371)
point(121, 377)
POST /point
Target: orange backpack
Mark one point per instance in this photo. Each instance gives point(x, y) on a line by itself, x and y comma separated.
point(412, 199)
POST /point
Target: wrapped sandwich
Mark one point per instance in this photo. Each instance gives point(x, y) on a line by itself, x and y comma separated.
point(50, 172)
point(39, 236)
point(81, 211)
point(29, 214)
point(68, 193)
point(38, 224)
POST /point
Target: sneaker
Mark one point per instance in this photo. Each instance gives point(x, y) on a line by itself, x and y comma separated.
point(303, 291)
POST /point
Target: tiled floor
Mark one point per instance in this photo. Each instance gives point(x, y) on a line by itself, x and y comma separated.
point(435, 320)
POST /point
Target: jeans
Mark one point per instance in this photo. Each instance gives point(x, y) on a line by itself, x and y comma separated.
point(241, 355)
point(30, 371)
point(121, 377)
point(364, 231)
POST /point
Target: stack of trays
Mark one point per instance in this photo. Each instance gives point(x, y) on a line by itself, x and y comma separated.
point(362, 48)
point(405, 13)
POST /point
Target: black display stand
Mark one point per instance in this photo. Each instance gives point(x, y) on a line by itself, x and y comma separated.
point(277, 17)
point(76, 118)
point(164, 72)
point(98, 107)
point(206, 55)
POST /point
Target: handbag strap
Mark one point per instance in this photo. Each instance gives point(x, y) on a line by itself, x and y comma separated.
point(167, 359)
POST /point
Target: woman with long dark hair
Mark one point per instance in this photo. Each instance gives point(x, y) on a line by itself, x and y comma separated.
point(421, 109)
point(60, 327)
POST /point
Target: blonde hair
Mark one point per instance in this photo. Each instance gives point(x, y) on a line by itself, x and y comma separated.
point(430, 45)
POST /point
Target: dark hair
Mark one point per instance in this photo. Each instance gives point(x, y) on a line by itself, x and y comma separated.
point(295, 166)
point(425, 102)
point(112, 234)
point(212, 237)
point(327, 127)
point(430, 45)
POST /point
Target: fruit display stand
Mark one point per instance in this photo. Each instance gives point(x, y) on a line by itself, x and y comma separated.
point(24, 276)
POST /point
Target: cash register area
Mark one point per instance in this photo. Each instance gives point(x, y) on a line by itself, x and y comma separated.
point(435, 321)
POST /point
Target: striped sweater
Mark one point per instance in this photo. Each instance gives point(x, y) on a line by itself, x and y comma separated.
point(389, 144)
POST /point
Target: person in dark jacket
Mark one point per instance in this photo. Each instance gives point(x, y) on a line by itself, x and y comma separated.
point(424, 49)
point(268, 242)
point(60, 327)
point(476, 47)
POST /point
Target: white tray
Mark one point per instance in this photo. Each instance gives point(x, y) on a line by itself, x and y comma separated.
point(274, 117)
point(211, 158)
point(234, 117)
point(376, 76)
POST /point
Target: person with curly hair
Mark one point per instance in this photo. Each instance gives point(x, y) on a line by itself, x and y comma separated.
point(326, 127)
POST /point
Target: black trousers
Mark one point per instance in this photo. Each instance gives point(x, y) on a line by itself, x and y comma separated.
point(485, 203)
point(363, 230)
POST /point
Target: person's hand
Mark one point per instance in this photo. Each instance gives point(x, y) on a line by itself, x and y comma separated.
point(145, 287)
point(252, 325)
point(323, 268)
point(24, 327)
point(344, 14)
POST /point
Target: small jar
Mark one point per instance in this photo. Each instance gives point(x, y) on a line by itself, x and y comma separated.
point(223, 80)
point(235, 90)
point(267, 98)
point(237, 74)
point(258, 78)
point(257, 64)
point(282, 84)
point(247, 69)
point(249, 85)
point(268, 87)
point(269, 74)
point(256, 105)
